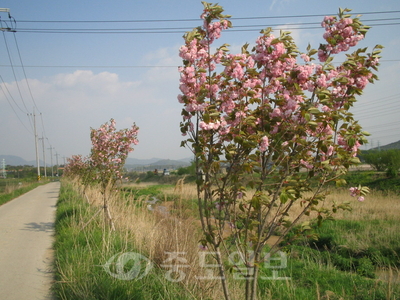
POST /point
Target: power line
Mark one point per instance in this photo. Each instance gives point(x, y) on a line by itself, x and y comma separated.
point(197, 19)
point(139, 31)
point(15, 77)
point(166, 30)
point(77, 66)
point(186, 28)
point(16, 82)
point(131, 66)
point(19, 119)
point(162, 29)
point(23, 69)
point(8, 91)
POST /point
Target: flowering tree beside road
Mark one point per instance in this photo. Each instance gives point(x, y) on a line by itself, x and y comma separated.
point(76, 166)
point(110, 149)
point(277, 121)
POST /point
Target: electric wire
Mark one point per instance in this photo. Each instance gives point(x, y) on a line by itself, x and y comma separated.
point(131, 31)
point(197, 19)
point(18, 87)
point(15, 77)
point(173, 29)
point(133, 66)
point(23, 69)
point(12, 107)
point(8, 91)
point(164, 30)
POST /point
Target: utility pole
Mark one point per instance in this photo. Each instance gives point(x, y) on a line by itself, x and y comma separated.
point(3, 163)
point(44, 157)
point(57, 155)
point(51, 160)
point(36, 145)
point(9, 29)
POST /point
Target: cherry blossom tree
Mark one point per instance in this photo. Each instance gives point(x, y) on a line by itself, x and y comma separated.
point(110, 149)
point(270, 129)
point(76, 166)
point(104, 166)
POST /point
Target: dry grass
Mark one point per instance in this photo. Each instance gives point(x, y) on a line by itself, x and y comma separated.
point(377, 205)
point(11, 187)
point(155, 233)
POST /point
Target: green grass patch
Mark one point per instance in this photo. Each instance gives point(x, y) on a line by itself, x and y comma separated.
point(147, 190)
point(374, 180)
point(361, 247)
point(5, 197)
point(84, 259)
point(309, 278)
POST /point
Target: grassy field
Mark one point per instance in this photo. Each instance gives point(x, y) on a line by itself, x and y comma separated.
point(12, 188)
point(355, 257)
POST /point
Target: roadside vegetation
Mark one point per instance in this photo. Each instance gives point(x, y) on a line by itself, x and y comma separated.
point(13, 188)
point(356, 256)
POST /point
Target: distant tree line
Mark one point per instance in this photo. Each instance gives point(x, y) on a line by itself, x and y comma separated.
point(27, 171)
point(383, 161)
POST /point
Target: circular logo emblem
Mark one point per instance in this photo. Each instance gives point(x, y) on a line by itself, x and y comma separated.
point(128, 266)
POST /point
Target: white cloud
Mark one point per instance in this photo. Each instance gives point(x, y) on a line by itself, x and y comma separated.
point(73, 102)
point(281, 3)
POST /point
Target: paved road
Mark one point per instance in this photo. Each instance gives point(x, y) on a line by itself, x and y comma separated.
point(26, 237)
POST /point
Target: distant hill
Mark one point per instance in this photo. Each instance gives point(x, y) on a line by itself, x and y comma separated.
point(13, 160)
point(139, 162)
point(395, 145)
point(152, 164)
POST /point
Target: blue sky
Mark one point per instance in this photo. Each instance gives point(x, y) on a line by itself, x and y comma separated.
point(82, 80)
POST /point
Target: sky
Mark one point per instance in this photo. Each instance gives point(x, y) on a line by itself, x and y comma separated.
point(77, 64)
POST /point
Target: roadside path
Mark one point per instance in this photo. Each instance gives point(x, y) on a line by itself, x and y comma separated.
point(26, 237)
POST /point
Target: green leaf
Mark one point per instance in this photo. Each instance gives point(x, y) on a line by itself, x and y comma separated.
point(206, 118)
point(284, 197)
point(314, 110)
point(312, 52)
point(366, 133)
point(305, 226)
point(355, 160)
point(341, 182)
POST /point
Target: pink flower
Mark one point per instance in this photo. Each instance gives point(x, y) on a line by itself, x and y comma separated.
point(330, 150)
point(264, 144)
point(306, 164)
point(305, 57)
point(354, 191)
point(203, 247)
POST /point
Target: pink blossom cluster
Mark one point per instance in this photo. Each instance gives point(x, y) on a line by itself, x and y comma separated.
point(110, 148)
point(340, 36)
point(75, 166)
point(306, 164)
point(237, 66)
point(342, 141)
point(264, 143)
point(214, 29)
point(356, 192)
point(266, 51)
point(266, 92)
